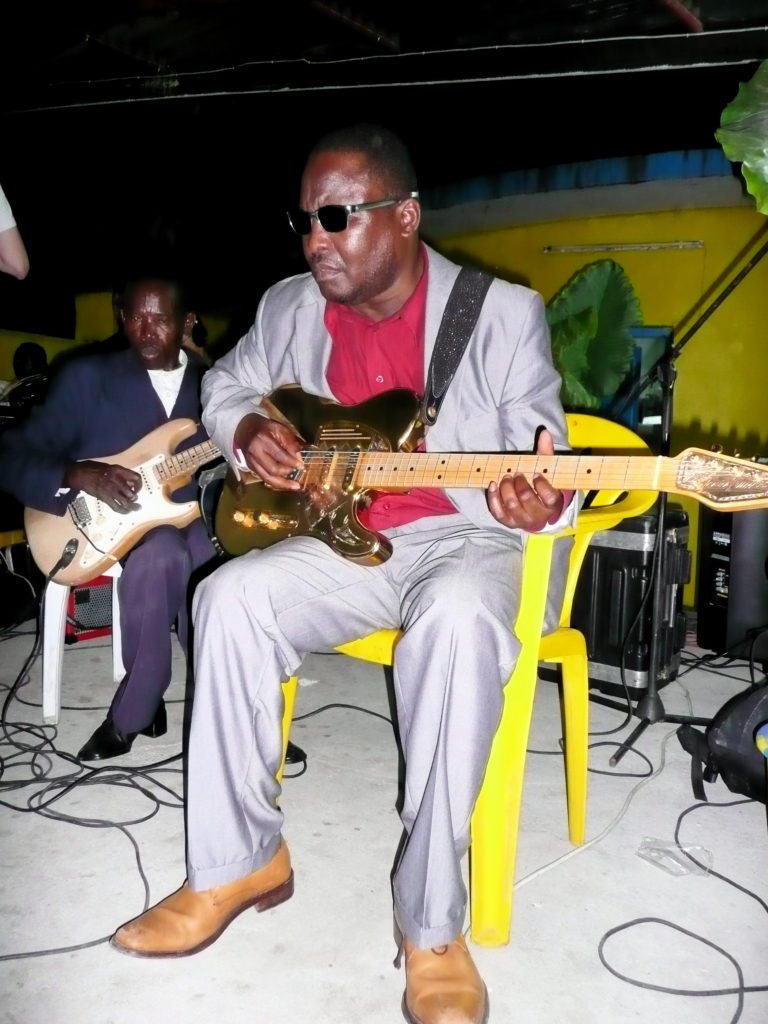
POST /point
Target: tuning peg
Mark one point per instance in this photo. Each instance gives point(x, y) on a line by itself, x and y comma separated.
point(717, 448)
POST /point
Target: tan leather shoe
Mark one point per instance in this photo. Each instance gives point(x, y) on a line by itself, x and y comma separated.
point(443, 986)
point(187, 921)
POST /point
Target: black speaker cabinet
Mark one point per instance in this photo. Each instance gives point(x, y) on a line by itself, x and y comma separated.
point(614, 610)
point(732, 587)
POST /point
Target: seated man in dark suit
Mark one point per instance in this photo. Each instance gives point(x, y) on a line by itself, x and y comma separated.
point(99, 406)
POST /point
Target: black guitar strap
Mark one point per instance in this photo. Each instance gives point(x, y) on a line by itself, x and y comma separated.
point(459, 319)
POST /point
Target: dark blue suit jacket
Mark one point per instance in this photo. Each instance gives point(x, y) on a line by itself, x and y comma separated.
point(96, 407)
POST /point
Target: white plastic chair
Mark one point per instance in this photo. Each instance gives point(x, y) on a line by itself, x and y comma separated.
point(54, 631)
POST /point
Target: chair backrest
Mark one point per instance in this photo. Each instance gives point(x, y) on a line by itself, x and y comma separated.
point(608, 507)
point(604, 436)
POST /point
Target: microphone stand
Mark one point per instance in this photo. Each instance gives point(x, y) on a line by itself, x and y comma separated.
point(650, 708)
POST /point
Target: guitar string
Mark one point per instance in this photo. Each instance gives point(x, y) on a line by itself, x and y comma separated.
point(613, 471)
point(200, 454)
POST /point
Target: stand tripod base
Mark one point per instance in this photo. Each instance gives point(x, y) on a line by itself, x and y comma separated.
point(650, 711)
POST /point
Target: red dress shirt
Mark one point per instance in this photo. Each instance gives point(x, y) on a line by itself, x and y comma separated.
point(371, 356)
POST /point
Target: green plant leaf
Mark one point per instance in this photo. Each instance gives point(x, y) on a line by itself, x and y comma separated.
point(575, 396)
point(743, 134)
point(589, 320)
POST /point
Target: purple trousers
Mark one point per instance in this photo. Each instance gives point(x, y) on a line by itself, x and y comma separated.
point(153, 594)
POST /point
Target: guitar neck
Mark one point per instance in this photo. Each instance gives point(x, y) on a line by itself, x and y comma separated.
point(394, 470)
point(187, 462)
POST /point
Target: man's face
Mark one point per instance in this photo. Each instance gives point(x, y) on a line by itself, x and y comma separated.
point(360, 266)
point(154, 324)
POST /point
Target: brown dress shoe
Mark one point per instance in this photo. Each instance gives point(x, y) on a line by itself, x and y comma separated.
point(187, 921)
point(443, 986)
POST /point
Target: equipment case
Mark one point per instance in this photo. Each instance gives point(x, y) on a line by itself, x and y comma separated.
point(614, 579)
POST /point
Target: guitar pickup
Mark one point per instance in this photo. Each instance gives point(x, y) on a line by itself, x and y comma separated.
point(250, 520)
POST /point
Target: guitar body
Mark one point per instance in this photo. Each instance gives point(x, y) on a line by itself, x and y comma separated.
point(103, 535)
point(251, 515)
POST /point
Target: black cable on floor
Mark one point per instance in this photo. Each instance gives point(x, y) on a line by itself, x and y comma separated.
point(740, 990)
point(351, 707)
point(37, 755)
point(599, 771)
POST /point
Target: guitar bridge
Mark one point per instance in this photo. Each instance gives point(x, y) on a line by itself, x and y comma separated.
point(81, 515)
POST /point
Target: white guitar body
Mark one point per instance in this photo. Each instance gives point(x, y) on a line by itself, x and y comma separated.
point(104, 536)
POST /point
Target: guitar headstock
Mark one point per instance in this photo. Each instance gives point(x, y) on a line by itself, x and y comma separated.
point(722, 481)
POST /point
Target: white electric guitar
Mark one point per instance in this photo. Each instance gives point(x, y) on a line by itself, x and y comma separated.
point(93, 535)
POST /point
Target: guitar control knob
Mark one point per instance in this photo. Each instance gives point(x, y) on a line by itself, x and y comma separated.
point(717, 448)
point(736, 453)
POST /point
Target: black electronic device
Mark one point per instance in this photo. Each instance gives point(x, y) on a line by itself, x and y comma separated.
point(614, 610)
point(732, 583)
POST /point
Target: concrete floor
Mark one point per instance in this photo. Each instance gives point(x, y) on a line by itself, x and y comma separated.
point(326, 955)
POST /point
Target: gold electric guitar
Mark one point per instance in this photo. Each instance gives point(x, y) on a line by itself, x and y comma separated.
point(97, 534)
point(356, 449)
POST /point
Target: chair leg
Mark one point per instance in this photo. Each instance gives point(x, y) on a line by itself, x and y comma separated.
point(290, 687)
point(54, 623)
point(496, 817)
point(118, 668)
point(576, 713)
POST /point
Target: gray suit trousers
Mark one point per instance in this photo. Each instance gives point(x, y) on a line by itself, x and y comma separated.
point(454, 589)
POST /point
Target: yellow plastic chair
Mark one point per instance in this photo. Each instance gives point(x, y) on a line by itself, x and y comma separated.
point(497, 812)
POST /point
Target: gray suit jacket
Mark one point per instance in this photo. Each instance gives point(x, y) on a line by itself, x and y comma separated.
point(504, 388)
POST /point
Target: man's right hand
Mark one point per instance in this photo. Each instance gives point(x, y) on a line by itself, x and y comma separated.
point(271, 450)
point(114, 485)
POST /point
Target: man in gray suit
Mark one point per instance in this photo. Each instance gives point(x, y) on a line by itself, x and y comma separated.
point(362, 322)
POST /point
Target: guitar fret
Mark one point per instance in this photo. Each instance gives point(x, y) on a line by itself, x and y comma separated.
point(458, 469)
point(187, 461)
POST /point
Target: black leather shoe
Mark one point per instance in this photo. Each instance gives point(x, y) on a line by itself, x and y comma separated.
point(109, 742)
point(159, 724)
point(106, 742)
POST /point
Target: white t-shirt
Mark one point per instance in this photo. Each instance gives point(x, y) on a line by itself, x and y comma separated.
point(167, 383)
point(7, 220)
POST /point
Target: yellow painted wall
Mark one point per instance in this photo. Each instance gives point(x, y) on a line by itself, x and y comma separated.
point(94, 322)
point(720, 392)
point(10, 341)
point(94, 316)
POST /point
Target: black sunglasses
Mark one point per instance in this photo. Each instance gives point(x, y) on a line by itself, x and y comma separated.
point(336, 217)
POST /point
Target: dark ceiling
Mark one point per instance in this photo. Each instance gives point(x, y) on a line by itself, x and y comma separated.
point(132, 119)
point(138, 50)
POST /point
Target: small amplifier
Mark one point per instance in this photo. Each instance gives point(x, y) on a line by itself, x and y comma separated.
point(732, 595)
point(89, 610)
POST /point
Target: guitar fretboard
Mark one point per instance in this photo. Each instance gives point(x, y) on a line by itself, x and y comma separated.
point(440, 469)
point(186, 462)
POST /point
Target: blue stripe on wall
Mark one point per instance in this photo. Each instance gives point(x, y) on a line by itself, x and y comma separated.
point(692, 163)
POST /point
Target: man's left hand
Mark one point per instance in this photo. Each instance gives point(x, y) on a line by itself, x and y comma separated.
point(528, 506)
